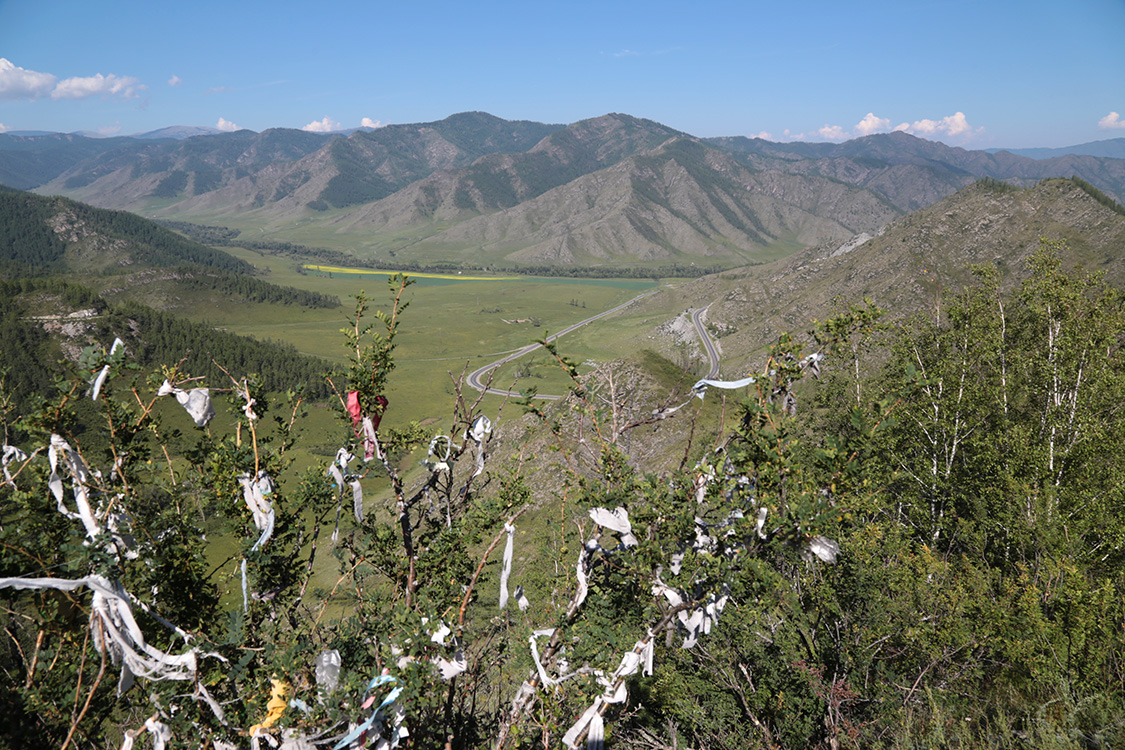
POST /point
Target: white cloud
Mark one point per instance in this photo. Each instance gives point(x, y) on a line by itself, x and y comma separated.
point(872, 124)
point(327, 125)
point(367, 122)
point(1112, 121)
point(226, 125)
point(19, 83)
point(954, 124)
point(219, 89)
point(625, 53)
point(4, 128)
point(832, 133)
point(763, 135)
point(121, 87)
point(108, 130)
point(175, 81)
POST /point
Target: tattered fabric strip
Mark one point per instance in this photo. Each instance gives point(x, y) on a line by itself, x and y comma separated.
point(432, 462)
point(639, 659)
point(254, 492)
point(99, 381)
point(521, 599)
point(11, 453)
point(377, 715)
point(248, 407)
point(80, 476)
point(506, 567)
point(450, 668)
point(480, 429)
point(698, 621)
point(116, 632)
point(197, 402)
point(544, 679)
point(357, 499)
point(583, 588)
point(161, 733)
point(700, 387)
point(615, 520)
point(338, 470)
point(595, 736)
point(275, 707)
point(821, 547)
point(570, 739)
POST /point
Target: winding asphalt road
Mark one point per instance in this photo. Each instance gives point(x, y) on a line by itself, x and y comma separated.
point(708, 344)
point(475, 377)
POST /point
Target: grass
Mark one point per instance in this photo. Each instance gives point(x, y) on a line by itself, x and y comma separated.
point(452, 324)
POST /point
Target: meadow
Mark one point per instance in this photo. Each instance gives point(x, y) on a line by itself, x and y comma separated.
point(452, 325)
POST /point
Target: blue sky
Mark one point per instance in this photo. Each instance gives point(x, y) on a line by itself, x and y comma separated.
point(969, 73)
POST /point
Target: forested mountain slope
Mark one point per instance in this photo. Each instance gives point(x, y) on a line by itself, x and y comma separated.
point(41, 236)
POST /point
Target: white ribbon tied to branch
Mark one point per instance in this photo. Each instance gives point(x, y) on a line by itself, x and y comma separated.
point(11, 453)
point(116, 633)
point(254, 492)
point(99, 381)
point(338, 470)
point(197, 402)
point(506, 567)
point(80, 478)
point(615, 520)
point(480, 429)
point(700, 388)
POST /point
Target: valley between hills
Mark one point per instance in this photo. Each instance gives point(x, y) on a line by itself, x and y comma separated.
point(907, 531)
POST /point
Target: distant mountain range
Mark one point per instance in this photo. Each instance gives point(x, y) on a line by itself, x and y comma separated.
point(1113, 148)
point(613, 190)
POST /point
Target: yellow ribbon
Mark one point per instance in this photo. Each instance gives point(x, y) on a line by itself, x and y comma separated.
point(276, 706)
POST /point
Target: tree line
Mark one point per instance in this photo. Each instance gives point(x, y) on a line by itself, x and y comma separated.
point(31, 357)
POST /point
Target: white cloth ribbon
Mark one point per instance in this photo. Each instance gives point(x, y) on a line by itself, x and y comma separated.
point(615, 520)
point(450, 668)
point(11, 453)
point(480, 429)
point(700, 388)
point(80, 477)
point(255, 492)
point(544, 679)
point(521, 599)
point(99, 381)
point(583, 588)
point(357, 499)
point(338, 470)
point(116, 632)
point(822, 547)
point(197, 402)
point(432, 462)
point(570, 739)
point(697, 622)
point(506, 567)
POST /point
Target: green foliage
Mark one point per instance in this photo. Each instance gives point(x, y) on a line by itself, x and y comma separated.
point(969, 473)
point(31, 357)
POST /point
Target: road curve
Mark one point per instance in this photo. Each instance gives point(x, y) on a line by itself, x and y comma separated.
point(708, 344)
point(475, 377)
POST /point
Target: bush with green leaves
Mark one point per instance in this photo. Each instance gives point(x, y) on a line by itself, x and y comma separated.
point(963, 482)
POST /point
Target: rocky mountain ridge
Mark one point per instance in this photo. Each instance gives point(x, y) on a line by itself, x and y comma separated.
point(612, 190)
